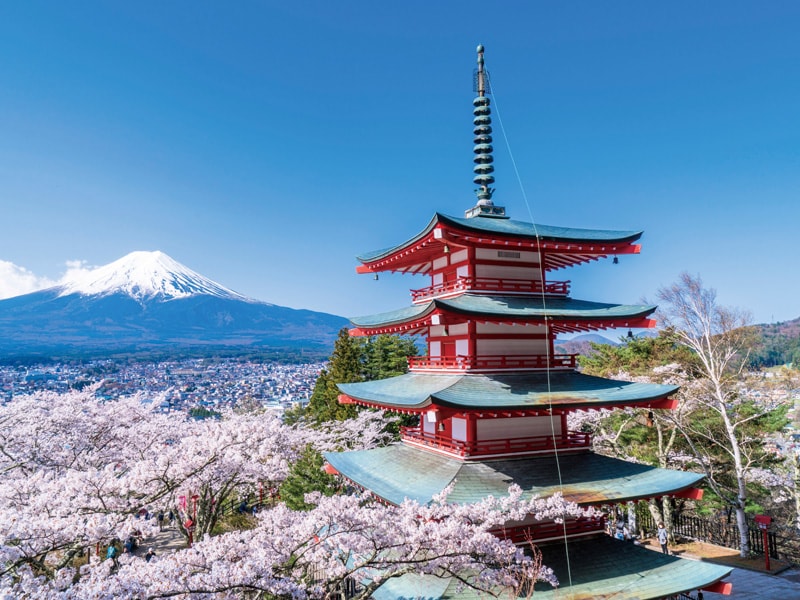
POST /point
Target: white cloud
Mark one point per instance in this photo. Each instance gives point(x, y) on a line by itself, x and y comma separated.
point(76, 271)
point(15, 281)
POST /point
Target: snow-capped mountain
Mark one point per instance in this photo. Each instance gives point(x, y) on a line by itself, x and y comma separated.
point(147, 301)
point(146, 275)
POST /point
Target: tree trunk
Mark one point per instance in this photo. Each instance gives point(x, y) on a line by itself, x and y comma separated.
point(744, 535)
point(796, 474)
point(655, 511)
point(666, 503)
point(632, 524)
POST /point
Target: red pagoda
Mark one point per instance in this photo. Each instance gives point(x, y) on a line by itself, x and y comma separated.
point(493, 397)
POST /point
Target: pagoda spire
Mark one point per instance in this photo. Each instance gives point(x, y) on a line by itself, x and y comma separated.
point(483, 149)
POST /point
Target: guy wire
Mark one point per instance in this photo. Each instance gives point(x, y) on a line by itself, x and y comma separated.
point(547, 322)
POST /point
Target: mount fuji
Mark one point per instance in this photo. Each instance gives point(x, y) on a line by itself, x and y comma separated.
point(148, 302)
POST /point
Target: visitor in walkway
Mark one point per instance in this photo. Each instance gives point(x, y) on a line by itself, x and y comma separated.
point(661, 534)
point(112, 554)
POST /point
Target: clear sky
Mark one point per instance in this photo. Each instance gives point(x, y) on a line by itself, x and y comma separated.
point(266, 144)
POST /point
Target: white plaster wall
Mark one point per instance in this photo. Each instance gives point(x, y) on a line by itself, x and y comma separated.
point(440, 263)
point(525, 256)
point(508, 272)
point(459, 426)
point(510, 347)
point(498, 429)
point(509, 329)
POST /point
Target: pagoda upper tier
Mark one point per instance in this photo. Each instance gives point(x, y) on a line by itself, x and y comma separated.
point(549, 247)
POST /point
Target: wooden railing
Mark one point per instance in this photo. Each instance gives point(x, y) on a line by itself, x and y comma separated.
point(549, 530)
point(721, 533)
point(488, 363)
point(520, 445)
point(462, 284)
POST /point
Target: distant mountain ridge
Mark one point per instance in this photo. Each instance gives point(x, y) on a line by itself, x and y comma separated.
point(581, 344)
point(780, 344)
point(147, 301)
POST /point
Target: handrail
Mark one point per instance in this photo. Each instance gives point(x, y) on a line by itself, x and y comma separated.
point(558, 288)
point(538, 443)
point(548, 530)
point(465, 363)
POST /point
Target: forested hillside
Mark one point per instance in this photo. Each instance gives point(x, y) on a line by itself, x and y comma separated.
point(780, 344)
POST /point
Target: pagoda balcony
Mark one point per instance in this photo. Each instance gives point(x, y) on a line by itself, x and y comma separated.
point(550, 530)
point(492, 363)
point(486, 284)
point(540, 444)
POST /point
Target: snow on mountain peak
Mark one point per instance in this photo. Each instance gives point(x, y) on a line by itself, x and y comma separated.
point(144, 275)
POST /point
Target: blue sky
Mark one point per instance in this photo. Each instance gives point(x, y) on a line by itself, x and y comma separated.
point(265, 144)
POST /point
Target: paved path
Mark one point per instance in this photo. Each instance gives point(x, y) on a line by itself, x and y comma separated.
point(755, 585)
point(166, 541)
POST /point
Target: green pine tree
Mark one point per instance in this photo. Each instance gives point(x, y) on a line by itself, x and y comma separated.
point(306, 475)
point(353, 360)
point(345, 366)
point(387, 356)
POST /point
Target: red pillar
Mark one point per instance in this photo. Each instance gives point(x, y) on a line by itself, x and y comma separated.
point(763, 522)
point(472, 431)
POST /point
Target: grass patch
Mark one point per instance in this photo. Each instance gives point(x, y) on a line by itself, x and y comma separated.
point(234, 522)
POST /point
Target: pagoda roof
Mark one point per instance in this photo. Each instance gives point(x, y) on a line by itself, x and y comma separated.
point(400, 471)
point(584, 314)
point(598, 567)
point(584, 244)
point(529, 391)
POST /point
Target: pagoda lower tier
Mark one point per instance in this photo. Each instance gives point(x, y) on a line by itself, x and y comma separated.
point(609, 568)
point(524, 392)
point(399, 471)
point(474, 416)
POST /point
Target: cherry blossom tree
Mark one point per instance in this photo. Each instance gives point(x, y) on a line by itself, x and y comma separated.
point(313, 554)
point(78, 472)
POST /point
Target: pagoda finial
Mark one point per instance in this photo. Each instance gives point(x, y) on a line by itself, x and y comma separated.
point(483, 146)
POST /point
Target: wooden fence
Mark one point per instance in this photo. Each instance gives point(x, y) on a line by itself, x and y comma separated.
point(722, 533)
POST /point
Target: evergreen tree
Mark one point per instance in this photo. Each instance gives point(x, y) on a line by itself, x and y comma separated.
point(355, 359)
point(306, 475)
point(387, 356)
point(345, 366)
point(637, 356)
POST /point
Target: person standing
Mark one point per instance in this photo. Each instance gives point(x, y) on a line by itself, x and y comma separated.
point(112, 554)
point(662, 536)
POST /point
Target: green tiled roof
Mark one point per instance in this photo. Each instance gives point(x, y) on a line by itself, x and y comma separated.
point(519, 307)
point(497, 391)
point(400, 471)
point(599, 567)
point(512, 228)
